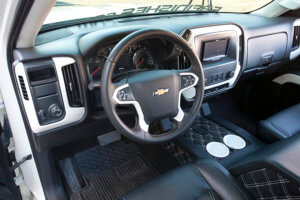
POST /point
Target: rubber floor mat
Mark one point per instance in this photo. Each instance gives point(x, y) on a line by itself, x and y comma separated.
point(112, 170)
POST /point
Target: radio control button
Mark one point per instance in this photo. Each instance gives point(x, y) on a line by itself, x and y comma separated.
point(229, 75)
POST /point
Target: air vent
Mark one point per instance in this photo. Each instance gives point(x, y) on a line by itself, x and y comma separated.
point(73, 92)
point(184, 61)
point(23, 88)
point(241, 48)
point(296, 37)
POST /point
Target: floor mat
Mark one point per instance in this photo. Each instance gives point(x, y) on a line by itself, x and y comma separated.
point(160, 157)
point(179, 153)
point(115, 182)
point(112, 170)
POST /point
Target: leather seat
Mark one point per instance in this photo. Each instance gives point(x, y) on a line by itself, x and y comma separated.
point(281, 125)
point(201, 180)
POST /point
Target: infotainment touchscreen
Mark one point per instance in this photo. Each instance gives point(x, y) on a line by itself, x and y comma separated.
point(214, 50)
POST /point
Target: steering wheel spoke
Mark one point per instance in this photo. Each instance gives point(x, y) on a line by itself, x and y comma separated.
point(124, 96)
point(187, 81)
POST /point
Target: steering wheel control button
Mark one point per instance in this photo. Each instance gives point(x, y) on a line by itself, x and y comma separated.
point(187, 80)
point(125, 94)
point(217, 149)
point(234, 141)
point(55, 110)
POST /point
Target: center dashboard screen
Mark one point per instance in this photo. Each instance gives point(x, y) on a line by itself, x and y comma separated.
point(214, 50)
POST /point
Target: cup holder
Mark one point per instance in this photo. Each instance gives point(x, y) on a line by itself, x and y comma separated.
point(234, 141)
point(217, 149)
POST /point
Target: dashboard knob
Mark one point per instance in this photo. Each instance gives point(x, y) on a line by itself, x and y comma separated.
point(55, 110)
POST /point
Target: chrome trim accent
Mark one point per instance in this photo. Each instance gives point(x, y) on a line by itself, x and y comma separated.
point(195, 32)
point(180, 114)
point(72, 114)
point(287, 78)
point(141, 119)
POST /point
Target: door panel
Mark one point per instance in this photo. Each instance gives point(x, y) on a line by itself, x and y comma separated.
point(8, 189)
point(2, 109)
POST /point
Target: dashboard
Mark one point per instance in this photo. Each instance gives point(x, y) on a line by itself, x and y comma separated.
point(59, 78)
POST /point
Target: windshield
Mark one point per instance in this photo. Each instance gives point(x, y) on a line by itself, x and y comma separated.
point(65, 10)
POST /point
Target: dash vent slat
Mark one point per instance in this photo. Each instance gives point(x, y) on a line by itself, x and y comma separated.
point(296, 37)
point(72, 86)
point(23, 88)
point(184, 62)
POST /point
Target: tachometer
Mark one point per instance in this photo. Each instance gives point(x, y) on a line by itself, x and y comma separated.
point(143, 58)
point(95, 67)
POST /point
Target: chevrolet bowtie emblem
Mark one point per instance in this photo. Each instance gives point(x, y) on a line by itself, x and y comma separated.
point(160, 92)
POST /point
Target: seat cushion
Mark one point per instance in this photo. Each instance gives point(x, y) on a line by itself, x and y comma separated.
point(282, 125)
point(201, 180)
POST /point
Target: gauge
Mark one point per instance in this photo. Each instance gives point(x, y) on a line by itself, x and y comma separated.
point(127, 51)
point(104, 51)
point(143, 59)
point(133, 47)
point(95, 67)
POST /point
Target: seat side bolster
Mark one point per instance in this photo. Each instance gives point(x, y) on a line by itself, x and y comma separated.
point(281, 125)
point(221, 181)
point(268, 133)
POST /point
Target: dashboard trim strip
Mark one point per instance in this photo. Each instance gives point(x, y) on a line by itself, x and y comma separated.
point(195, 32)
point(72, 114)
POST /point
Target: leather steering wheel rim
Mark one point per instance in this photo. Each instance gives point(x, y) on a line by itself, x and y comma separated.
point(108, 87)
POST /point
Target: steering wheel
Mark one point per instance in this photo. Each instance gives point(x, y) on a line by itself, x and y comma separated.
point(155, 94)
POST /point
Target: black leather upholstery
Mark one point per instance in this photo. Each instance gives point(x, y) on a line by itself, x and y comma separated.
point(281, 125)
point(282, 156)
point(204, 179)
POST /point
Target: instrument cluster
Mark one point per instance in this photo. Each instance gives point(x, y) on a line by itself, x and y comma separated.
point(135, 58)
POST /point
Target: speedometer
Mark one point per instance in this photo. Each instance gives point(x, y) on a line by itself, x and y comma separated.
point(143, 58)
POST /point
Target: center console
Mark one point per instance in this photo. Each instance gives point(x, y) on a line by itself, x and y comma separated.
point(218, 48)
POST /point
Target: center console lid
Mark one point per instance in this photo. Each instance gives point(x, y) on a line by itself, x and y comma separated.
point(282, 156)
